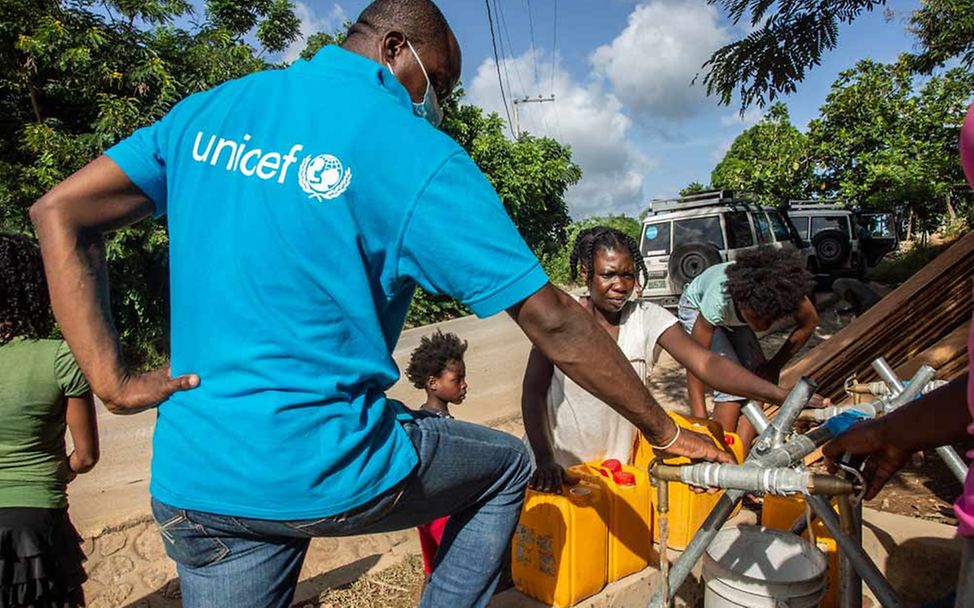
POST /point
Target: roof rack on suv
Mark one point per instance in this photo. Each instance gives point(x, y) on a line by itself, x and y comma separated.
point(818, 203)
point(703, 199)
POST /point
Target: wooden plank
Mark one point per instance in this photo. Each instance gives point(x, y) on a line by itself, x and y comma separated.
point(927, 309)
point(941, 354)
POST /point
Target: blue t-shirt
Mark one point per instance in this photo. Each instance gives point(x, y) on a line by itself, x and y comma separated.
point(304, 206)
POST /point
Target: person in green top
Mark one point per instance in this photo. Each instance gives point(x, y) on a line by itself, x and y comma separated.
point(42, 394)
point(723, 307)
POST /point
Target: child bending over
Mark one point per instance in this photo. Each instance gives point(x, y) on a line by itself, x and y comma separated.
point(723, 307)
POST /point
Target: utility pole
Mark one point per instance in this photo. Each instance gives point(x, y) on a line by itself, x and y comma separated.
point(525, 99)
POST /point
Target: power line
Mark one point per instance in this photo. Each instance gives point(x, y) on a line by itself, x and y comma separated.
point(534, 53)
point(554, 45)
point(497, 64)
point(505, 54)
point(505, 32)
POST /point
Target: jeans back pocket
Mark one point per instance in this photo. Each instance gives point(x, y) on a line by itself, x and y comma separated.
point(187, 542)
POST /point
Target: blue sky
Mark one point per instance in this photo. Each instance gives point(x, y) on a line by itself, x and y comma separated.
point(621, 72)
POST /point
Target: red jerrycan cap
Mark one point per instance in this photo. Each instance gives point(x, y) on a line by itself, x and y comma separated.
point(624, 478)
point(612, 465)
point(728, 440)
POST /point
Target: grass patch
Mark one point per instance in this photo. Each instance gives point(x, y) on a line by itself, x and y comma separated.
point(899, 266)
point(395, 587)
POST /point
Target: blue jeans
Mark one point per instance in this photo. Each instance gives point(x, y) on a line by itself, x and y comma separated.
point(474, 474)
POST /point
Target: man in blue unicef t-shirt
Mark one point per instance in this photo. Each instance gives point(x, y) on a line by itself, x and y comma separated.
point(304, 205)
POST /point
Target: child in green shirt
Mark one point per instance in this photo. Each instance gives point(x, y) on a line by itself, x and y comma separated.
point(44, 394)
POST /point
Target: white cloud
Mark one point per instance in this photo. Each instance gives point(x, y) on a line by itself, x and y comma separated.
point(653, 61)
point(750, 118)
point(721, 151)
point(583, 116)
point(313, 23)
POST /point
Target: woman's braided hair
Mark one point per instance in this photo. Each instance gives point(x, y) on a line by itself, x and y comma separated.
point(25, 308)
point(593, 239)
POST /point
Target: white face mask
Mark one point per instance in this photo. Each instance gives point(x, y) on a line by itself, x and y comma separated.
point(429, 108)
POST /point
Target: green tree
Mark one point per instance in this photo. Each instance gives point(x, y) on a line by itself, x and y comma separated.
point(789, 37)
point(694, 188)
point(944, 30)
point(884, 144)
point(770, 159)
point(531, 176)
point(78, 75)
point(319, 40)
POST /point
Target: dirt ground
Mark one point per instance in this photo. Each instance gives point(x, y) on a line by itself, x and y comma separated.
point(924, 489)
point(128, 567)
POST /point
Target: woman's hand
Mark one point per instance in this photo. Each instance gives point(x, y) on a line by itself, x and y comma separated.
point(550, 477)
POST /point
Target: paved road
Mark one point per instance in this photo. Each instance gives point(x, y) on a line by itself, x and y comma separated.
point(117, 490)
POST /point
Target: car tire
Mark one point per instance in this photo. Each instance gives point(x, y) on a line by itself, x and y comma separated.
point(832, 248)
point(687, 262)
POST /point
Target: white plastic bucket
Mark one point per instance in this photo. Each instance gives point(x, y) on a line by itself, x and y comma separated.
point(755, 567)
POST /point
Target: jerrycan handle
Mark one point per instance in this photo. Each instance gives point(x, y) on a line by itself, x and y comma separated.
point(611, 465)
point(624, 478)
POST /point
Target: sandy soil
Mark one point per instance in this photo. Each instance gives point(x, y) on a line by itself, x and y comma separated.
point(127, 563)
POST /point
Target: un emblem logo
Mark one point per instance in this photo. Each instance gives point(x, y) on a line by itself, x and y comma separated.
point(323, 177)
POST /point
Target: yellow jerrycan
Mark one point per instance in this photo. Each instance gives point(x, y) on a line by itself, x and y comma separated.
point(688, 509)
point(780, 512)
point(630, 521)
point(628, 514)
point(559, 546)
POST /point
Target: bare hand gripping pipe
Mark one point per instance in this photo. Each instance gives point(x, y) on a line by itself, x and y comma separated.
point(775, 456)
point(780, 481)
point(717, 517)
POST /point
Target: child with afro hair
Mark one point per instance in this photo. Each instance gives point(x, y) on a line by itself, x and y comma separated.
point(726, 304)
point(437, 367)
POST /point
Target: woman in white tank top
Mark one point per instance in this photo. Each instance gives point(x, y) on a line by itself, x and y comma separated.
point(566, 425)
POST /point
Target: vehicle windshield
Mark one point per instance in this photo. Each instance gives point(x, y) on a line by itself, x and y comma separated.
point(830, 222)
point(656, 239)
point(698, 230)
point(738, 230)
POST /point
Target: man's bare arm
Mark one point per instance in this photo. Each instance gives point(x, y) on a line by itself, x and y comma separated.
point(572, 340)
point(70, 222)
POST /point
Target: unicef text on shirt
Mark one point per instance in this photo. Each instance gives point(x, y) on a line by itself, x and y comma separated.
point(234, 156)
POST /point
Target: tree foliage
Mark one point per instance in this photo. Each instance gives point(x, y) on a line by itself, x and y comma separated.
point(694, 188)
point(885, 140)
point(944, 30)
point(76, 76)
point(789, 38)
point(770, 159)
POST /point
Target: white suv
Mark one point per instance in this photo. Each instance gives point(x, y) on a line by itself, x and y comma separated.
point(846, 242)
point(683, 237)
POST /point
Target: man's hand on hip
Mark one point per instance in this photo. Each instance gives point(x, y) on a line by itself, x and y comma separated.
point(140, 392)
